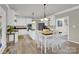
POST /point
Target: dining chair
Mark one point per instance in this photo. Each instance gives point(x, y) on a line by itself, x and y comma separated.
point(39, 41)
point(55, 41)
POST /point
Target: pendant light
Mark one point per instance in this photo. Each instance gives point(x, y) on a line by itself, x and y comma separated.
point(33, 21)
point(44, 14)
point(44, 11)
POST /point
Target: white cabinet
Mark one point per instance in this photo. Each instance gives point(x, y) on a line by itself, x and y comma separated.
point(32, 34)
point(34, 26)
point(16, 37)
point(11, 38)
point(22, 32)
point(52, 20)
point(11, 17)
point(22, 21)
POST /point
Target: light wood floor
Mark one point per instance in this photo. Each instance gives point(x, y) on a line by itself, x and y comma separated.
point(28, 46)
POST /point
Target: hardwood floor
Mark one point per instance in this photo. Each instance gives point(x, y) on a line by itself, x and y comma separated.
point(25, 46)
point(28, 46)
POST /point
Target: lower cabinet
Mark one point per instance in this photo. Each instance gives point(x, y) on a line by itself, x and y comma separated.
point(16, 37)
point(32, 34)
point(13, 37)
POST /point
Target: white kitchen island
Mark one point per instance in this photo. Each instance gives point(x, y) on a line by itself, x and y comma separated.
point(44, 39)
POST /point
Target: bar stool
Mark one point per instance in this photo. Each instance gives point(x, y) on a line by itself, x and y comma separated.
point(39, 41)
point(55, 41)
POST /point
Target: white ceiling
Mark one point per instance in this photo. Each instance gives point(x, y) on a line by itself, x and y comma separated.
point(38, 9)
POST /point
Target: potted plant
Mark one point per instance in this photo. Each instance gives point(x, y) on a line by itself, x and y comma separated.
point(10, 29)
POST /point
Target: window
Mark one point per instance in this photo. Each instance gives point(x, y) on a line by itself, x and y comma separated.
point(60, 23)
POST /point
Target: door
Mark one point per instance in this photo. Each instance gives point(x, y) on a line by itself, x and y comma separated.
point(62, 26)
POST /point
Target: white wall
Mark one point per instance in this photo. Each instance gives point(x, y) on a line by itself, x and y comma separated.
point(3, 40)
point(73, 21)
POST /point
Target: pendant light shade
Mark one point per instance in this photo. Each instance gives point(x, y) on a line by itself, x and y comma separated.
point(33, 21)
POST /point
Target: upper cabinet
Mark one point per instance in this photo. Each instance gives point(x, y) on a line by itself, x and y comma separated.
point(51, 21)
point(11, 17)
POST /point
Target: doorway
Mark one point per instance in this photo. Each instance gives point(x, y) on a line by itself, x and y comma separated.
point(62, 26)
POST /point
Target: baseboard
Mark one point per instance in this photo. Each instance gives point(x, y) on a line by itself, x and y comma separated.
point(73, 41)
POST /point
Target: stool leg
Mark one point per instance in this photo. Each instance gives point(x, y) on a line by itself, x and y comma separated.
point(45, 46)
point(37, 45)
point(52, 49)
point(41, 48)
